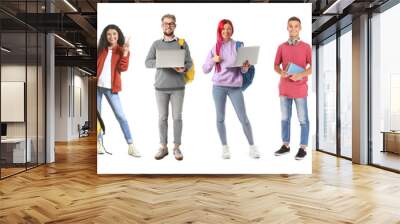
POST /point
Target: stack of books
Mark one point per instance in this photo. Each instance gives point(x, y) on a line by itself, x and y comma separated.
point(293, 69)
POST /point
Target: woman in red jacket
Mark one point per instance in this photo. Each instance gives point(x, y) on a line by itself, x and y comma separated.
point(112, 59)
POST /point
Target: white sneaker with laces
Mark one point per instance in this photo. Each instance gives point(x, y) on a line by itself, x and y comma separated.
point(254, 153)
point(133, 151)
point(225, 152)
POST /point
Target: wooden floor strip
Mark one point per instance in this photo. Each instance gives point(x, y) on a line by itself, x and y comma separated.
point(70, 191)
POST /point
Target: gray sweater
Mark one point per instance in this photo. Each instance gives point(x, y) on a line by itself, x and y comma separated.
point(168, 78)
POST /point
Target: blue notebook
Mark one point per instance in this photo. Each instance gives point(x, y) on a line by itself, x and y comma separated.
point(294, 69)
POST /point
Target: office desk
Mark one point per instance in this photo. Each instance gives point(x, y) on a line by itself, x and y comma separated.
point(391, 141)
point(16, 147)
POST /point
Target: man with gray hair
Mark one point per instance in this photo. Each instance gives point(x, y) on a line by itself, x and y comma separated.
point(170, 86)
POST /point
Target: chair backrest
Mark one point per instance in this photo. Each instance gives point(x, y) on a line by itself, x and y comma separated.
point(86, 125)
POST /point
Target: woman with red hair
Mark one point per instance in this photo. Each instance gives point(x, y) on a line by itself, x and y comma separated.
point(227, 81)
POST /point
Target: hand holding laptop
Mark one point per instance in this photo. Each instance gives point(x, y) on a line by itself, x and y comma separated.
point(246, 66)
point(180, 69)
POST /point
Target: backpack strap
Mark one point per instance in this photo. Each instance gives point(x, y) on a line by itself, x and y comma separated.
point(181, 42)
point(239, 44)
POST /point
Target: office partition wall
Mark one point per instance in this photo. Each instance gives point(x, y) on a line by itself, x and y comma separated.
point(22, 64)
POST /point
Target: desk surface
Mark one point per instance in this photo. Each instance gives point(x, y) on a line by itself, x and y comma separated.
point(13, 140)
point(390, 132)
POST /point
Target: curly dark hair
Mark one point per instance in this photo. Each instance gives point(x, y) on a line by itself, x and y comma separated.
point(103, 43)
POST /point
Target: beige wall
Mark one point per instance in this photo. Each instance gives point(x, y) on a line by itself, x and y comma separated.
point(71, 102)
point(34, 126)
point(17, 73)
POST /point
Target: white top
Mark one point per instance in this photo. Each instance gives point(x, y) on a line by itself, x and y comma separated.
point(105, 76)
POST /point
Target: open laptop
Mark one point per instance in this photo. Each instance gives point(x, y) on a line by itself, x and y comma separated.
point(246, 53)
point(170, 58)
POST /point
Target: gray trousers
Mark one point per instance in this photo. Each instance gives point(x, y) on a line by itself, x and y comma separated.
point(163, 99)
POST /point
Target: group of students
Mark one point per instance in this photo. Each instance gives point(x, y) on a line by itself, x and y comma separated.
point(113, 58)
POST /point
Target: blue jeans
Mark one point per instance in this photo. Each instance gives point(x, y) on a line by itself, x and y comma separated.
point(236, 95)
point(302, 115)
point(115, 103)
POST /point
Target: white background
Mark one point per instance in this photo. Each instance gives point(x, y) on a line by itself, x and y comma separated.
point(254, 24)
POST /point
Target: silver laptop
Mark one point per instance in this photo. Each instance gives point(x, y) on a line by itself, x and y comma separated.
point(170, 58)
point(246, 53)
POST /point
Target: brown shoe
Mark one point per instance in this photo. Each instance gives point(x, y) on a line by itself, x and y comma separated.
point(162, 152)
point(178, 154)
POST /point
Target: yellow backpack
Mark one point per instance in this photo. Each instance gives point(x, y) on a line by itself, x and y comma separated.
point(189, 75)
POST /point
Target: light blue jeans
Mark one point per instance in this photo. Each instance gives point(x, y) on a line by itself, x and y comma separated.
point(115, 103)
point(302, 115)
point(236, 95)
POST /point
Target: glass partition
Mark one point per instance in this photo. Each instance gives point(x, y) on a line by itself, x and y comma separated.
point(327, 96)
point(346, 94)
point(22, 88)
point(385, 90)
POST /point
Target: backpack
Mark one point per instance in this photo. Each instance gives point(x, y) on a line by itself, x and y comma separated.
point(101, 130)
point(189, 75)
point(249, 75)
point(100, 124)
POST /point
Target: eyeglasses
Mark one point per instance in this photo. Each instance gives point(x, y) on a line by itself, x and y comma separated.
point(169, 24)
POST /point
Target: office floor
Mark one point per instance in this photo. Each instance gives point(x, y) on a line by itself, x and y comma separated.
point(8, 171)
point(70, 191)
point(387, 159)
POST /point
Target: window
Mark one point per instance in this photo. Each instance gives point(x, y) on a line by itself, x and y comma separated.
point(385, 89)
point(327, 96)
point(346, 93)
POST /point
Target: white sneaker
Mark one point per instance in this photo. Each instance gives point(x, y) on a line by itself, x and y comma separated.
point(100, 147)
point(133, 151)
point(254, 153)
point(225, 152)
